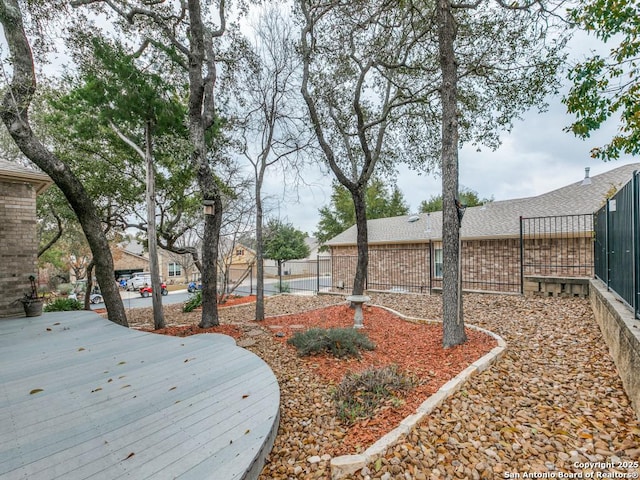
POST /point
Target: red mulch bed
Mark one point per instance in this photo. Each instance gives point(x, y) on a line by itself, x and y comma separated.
point(186, 330)
point(415, 348)
point(231, 301)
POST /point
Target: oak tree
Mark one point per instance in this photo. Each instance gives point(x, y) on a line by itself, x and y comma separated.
point(14, 111)
point(604, 86)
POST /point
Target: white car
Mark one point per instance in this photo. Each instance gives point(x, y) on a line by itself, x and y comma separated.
point(138, 280)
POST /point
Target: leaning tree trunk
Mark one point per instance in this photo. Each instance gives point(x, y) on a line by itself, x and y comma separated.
point(15, 105)
point(453, 323)
point(362, 241)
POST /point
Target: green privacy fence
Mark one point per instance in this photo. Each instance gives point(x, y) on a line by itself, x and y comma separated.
point(617, 244)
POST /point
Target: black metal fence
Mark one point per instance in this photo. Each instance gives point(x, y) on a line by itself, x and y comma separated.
point(401, 270)
point(295, 276)
point(305, 275)
point(557, 245)
point(617, 244)
point(488, 265)
point(547, 246)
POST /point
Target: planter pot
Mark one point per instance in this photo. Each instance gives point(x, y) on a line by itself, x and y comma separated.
point(33, 309)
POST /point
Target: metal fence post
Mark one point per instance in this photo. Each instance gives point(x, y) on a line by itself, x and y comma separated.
point(430, 267)
point(636, 245)
point(521, 258)
point(317, 273)
point(607, 231)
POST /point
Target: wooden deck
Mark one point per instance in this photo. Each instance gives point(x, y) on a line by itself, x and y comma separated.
point(82, 397)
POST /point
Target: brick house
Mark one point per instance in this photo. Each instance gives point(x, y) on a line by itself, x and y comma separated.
point(130, 257)
point(500, 252)
point(19, 240)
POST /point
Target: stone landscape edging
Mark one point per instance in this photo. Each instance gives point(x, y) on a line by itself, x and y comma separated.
point(348, 464)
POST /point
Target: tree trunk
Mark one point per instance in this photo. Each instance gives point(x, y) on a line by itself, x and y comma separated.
point(87, 293)
point(15, 105)
point(259, 257)
point(453, 323)
point(154, 269)
point(201, 117)
point(360, 280)
point(211, 236)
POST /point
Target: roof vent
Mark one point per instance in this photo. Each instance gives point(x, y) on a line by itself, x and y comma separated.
point(413, 218)
point(587, 180)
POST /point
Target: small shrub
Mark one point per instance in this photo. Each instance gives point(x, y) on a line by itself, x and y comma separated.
point(63, 305)
point(283, 287)
point(360, 395)
point(65, 288)
point(193, 302)
point(341, 342)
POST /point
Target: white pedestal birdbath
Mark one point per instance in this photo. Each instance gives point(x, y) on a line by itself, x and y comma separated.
point(357, 301)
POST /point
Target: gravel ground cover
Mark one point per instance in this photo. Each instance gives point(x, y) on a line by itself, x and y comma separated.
point(553, 405)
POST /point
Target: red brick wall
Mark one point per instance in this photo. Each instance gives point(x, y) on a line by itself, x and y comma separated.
point(569, 257)
point(487, 265)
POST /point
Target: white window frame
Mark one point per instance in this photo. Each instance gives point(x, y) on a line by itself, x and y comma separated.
point(176, 271)
point(437, 262)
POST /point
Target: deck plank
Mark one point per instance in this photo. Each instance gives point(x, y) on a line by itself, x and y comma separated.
point(197, 407)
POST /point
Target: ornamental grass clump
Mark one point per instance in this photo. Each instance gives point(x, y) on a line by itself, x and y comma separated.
point(194, 301)
point(63, 305)
point(360, 395)
point(340, 342)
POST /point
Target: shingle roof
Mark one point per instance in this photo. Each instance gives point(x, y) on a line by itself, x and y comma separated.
point(496, 219)
point(17, 173)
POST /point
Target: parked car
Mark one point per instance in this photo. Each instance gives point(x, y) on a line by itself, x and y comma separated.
point(96, 298)
point(146, 290)
point(192, 287)
point(138, 280)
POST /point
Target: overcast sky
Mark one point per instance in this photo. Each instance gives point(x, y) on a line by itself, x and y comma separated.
point(536, 157)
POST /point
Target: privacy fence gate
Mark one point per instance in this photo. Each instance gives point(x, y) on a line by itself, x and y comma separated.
point(617, 244)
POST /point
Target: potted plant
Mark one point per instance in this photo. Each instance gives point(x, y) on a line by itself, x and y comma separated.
point(31, 302)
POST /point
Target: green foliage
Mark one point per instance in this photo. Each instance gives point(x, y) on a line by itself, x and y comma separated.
point(65, 288)
point(467, 197)
point(360, 395)
point(283, 287)
point(340, 214)
point(283, 242)
point(603, 87)
point(193, 302)
point(340, 342)
point(63, 305)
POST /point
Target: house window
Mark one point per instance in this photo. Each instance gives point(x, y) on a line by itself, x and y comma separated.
point(437, 262)
point(239, 252)
point(175, 269)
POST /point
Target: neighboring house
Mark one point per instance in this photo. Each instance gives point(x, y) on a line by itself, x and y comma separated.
point(130, 257)
point(19, 240)
point(243, 256)
point(239, 259)
point(302, 266)
point(555, 239)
